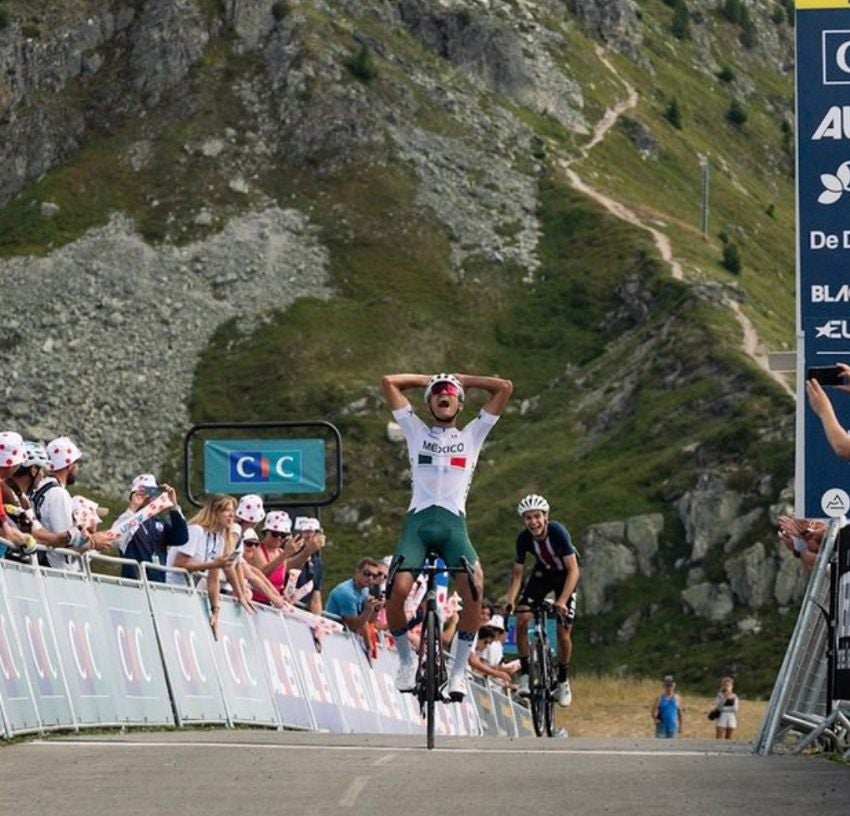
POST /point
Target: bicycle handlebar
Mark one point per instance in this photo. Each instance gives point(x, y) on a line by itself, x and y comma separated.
point(430, 568)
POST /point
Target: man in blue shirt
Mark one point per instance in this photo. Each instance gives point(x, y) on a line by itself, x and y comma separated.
point(351, 601)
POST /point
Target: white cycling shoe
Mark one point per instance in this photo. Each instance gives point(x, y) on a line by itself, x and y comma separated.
point(563, 695)
point(405, 679)
point(457, 687)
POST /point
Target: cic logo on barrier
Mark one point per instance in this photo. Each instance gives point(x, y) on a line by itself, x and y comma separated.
point(836, 57)
point(264, 466)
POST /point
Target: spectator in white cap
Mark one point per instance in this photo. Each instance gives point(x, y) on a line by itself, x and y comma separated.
point(150, 541)
point(313, 570)
point(495, 651)
point(52, 504)
point(11, 457)
point(250, 510)
point(272, 555)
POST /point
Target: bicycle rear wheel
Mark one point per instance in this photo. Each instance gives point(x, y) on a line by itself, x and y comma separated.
point(430, 673)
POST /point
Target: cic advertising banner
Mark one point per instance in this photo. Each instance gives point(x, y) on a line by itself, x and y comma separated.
point(264, 466)
point(823, 234)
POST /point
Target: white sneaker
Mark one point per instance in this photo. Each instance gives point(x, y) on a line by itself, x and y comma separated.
point(405, 679)
point(522, 689)
point(563, 696)
point(457, 687)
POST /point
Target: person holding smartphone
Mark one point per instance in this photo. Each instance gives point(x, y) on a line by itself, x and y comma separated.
point(818, 381)
point(150, 542)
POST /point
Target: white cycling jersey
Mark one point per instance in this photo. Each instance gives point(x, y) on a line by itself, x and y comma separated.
point(442, 460)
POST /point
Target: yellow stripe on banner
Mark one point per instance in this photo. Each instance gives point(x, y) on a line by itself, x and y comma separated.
point(821, 4)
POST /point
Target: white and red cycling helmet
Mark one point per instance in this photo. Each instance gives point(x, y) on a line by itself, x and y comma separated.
point(444, 383)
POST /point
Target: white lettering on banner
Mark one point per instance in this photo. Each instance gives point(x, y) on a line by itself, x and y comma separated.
point(289, 668)
point(38, 654)
point(834, 125)
point(72, 635)
point(7, 660)
point(245, 663)
point(240, 467)
point(356, 676)
point(178, 647)
point(818, 239)
point(274, 661)
point(87, 632)
point(378, 692)
point(841, 57)
point(342, 687)
point(139, 652)
point(123, 642)
point(834, 330)
point(193, 645)
point(310, 680)
point(385, 680)
point(823, 293)
point(226, 643)
point(281, 471)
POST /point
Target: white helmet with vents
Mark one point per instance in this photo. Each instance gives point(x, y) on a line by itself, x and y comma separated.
point(532, 502)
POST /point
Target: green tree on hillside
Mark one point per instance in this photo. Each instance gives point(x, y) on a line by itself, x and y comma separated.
point(673, 114)
point(681, 21)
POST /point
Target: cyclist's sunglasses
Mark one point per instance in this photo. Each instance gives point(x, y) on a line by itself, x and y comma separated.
point(446, 388)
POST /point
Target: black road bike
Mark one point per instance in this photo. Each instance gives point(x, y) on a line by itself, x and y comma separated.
point(431, 674)
point(542, 679)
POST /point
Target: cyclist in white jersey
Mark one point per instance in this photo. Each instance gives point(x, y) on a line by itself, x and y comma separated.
point(442, 461)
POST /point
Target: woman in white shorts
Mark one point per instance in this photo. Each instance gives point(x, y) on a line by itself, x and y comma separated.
point(726, 703)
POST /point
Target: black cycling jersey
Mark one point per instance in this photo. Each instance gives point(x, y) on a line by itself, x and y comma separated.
point(549, 553)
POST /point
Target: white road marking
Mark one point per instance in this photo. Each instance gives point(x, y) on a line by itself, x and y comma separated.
point(350, 796)
point(375, 748)
point(384, 760)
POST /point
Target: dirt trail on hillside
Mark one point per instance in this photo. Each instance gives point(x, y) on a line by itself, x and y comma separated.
point(751, 344)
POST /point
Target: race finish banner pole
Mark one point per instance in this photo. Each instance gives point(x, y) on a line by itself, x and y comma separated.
point(823, 241)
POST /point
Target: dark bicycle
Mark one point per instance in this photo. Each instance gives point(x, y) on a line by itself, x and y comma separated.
point(541, 672)
point(431, 675)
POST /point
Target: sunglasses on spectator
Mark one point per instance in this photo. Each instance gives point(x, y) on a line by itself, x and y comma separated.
point(276, 534)
point(252, 543)
point(369, 574)
point(446, 388)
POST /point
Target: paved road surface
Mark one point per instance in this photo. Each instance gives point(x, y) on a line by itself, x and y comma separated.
point(266, 772)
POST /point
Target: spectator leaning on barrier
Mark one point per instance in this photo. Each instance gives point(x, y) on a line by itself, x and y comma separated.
point(270, 555)
point(150, 542)
point(11, 457)
point(802, 537)
point(211, 548)
point(53, 508)
point(312, 568)
point(351, 601)
point(17, 504)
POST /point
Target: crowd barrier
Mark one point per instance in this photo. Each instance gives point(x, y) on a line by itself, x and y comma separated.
point(83, 649)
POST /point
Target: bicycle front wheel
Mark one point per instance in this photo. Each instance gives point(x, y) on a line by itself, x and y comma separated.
point(537, 689)
point(430, 673)
point(548, 686)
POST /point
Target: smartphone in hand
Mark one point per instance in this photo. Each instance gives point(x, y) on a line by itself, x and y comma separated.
point(827, 375)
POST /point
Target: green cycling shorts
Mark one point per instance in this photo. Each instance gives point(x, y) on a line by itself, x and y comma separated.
point(438, 530)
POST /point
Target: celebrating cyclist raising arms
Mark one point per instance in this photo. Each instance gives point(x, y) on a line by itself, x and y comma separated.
point(442, 461)
point(555, 570)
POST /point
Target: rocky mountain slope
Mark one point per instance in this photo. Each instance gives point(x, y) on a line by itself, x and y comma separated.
point(251, 210)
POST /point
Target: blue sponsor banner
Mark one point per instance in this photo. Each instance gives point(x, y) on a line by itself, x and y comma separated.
point(823, 210)
point(264, 466)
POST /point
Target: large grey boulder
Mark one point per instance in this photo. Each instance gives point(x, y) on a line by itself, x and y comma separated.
point(791, 578)
point(752, 576)
point(615, 22)
point(606, 561)
point(641, 534)
point(707, 513)
point(710, 601)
